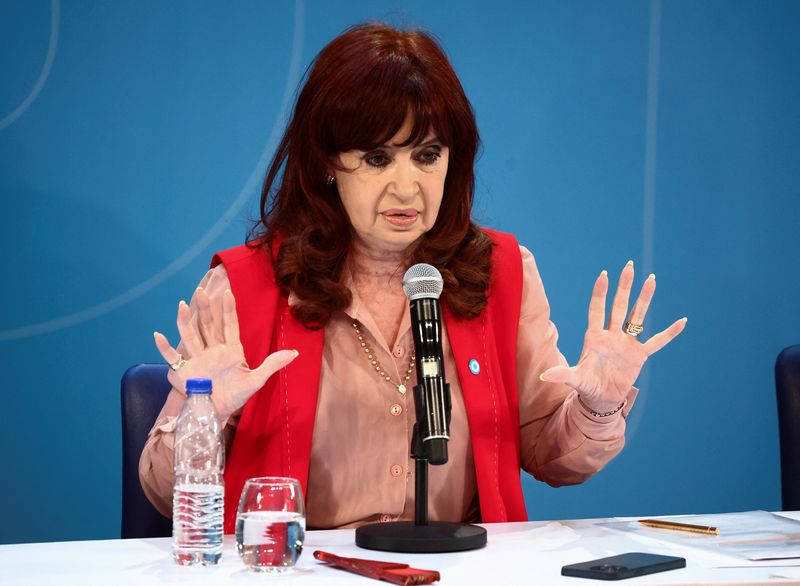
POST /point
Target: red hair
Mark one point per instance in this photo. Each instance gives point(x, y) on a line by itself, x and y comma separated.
point(358, 92)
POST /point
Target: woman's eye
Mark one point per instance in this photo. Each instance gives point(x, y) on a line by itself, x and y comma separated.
point(376, 159)
point(429, 157)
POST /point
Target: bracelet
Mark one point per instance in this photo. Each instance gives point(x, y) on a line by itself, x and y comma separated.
point(607, 413)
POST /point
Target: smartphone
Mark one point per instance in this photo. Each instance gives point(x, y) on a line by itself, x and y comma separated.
point(626, 565)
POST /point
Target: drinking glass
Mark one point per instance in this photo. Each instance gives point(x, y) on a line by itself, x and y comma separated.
point(271, 524)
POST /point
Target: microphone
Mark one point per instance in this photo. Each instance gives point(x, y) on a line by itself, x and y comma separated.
point(423, 284)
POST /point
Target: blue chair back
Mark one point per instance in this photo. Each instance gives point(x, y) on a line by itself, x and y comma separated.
point(143, 391)
point(787, 386)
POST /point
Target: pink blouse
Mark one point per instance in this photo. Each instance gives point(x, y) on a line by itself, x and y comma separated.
point(361, 469)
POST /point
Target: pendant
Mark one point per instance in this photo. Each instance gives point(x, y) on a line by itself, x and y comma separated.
point(402, 389)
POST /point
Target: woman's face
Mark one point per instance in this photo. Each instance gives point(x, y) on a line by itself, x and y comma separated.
point(392, 194)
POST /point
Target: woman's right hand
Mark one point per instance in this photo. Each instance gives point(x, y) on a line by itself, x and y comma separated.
point(215, 351)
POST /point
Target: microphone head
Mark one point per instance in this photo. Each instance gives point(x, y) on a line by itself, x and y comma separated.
point(422, 281)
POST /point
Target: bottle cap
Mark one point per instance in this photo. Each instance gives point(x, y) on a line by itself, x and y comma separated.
point(198, 386)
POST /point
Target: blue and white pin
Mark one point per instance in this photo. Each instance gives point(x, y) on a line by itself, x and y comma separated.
point(474, 366)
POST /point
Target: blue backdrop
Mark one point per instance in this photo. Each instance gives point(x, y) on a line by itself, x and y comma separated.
point(133, 138)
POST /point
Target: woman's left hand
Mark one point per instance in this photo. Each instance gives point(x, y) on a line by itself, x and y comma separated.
point(612, 358)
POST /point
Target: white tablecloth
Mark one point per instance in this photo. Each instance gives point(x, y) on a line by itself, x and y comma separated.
point(529, 554)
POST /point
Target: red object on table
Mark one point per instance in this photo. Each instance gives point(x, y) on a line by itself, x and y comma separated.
point(395, 573)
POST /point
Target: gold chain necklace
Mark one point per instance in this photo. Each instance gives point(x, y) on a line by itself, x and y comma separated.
point(401, 388)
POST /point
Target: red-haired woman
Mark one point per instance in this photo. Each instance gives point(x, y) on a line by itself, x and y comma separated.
point(306, 333)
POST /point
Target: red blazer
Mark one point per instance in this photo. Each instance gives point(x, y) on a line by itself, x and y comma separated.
point(274, 433)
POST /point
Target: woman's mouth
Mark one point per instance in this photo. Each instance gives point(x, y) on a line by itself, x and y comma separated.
point(401, 218)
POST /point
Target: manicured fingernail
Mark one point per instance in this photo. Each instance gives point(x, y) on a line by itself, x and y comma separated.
point(652, 276)
point(182, 302)
point(296, 353)
point(541, 378)
point(685, 319)
point(604, 272)
point(155, 334)
point(629, 263)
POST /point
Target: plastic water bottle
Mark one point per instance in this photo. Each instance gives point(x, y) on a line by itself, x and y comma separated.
point(197, 501)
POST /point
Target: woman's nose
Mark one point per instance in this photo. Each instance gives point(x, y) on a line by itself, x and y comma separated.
point(404, 181)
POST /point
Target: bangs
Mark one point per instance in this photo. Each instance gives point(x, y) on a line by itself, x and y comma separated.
point(389, 94)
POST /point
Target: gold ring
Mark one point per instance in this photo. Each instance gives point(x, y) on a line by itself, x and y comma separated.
point(178, 363)
point(633, 329)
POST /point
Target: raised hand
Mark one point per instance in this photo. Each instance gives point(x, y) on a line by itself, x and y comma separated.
point(215, 351)
point(612, 359)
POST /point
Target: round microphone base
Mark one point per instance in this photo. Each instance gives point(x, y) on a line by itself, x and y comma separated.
point(435, 537)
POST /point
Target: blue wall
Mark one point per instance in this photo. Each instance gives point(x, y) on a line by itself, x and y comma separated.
point(133, 137)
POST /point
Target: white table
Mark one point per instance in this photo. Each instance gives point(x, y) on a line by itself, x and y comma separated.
point(517, 553)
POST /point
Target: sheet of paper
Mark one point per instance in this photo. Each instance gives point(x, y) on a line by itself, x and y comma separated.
point(787, 573)
point(752, 535)
point(544, 537)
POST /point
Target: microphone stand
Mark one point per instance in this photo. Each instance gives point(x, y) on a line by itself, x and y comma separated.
point(421, 536)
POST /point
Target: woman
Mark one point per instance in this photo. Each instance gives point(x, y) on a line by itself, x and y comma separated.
point(374, 174)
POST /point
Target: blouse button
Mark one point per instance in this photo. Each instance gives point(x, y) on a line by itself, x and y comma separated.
point(396, 470)
point(398, 351)
point(396, 409)
point(386, 518)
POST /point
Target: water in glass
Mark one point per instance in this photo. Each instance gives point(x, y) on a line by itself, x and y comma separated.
point(270, 540)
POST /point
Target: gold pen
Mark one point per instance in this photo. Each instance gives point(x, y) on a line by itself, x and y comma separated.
point(673, 526)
